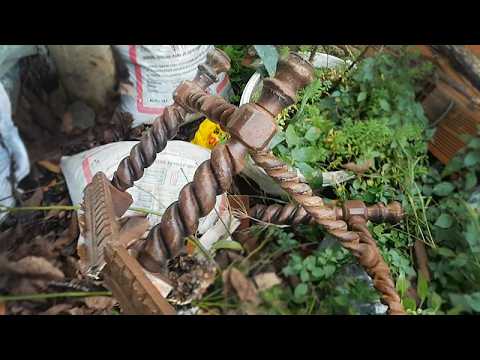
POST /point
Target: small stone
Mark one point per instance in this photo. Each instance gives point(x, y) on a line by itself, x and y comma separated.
point(83, 116)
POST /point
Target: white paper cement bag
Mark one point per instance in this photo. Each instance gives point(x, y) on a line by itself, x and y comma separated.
point(156, 190)
point(156, 71)
point(11, 146)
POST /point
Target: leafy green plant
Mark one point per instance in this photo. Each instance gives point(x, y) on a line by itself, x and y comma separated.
point(320, 286)
point(454, 214)
point(269, 56)
point(239, 74)
point(371, 123)
point(429, 301)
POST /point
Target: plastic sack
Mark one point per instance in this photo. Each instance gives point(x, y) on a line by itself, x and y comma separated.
point(155, 71)
point(10, 70)
point(10, 54)
point(11, 147)
point(160, 185)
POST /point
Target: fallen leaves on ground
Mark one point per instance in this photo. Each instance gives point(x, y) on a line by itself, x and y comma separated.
point(50, 166)
point(32, 266)
point(266, 281)
point(359, 168)
point(57, 309)
point(100, 302)
point(244, 288)
point(35, 199)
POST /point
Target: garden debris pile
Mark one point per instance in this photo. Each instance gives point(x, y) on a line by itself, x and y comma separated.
point(365, 117)
point(38, 239)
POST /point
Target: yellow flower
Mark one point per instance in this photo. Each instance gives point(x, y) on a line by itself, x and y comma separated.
point(208, 135)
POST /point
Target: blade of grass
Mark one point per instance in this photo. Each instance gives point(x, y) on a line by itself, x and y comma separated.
point(33, 297)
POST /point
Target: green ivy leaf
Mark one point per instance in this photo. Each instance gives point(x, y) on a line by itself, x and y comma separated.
point(435, 301)
point(305, 169)
point(443, 189)
point(427, 190)
point(269, 56)
point(446, 252)
point(474, 143)
point(292, 137)
point(422, 287)
point(402, 284)
point(472, 235)
point(277, 139)
point(470, 180)
point(444, 221)
point(384, 105)
point(317, 273)
point(473, 300)
point(453, 166)
point(309, 263)
point(362, 96)
point(409, 304)
point(329, 270)
point(304, 275)
point(305, 154)
point(312, 134)
point(227, 244)
point(466, 302)
point(301, 290)
point(472, 158)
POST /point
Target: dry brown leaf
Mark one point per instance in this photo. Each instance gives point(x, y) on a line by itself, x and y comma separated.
point(67, 123)
point(244, 288)
point(35, 199)
point(57, 309)
point(52, 213)
point(54, 168)
point(25, 286)
point(77, 311)
point(359, 168)
point(100, 302)
point(3, 308)
point(69, 234)
point(49, 185)
point(266, 281)
point(35, 267)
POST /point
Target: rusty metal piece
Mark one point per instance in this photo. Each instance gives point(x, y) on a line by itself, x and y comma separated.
point(289, 214)
point(252, 125)
point(108, 253)
point(100, 212)
point(358, 242)
point(295, 214)
point(392, 213)
point(126, 279)
point(193, 98)
point(165, 127)
point(215, 176)
point(370, 258)
point(280, 92)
